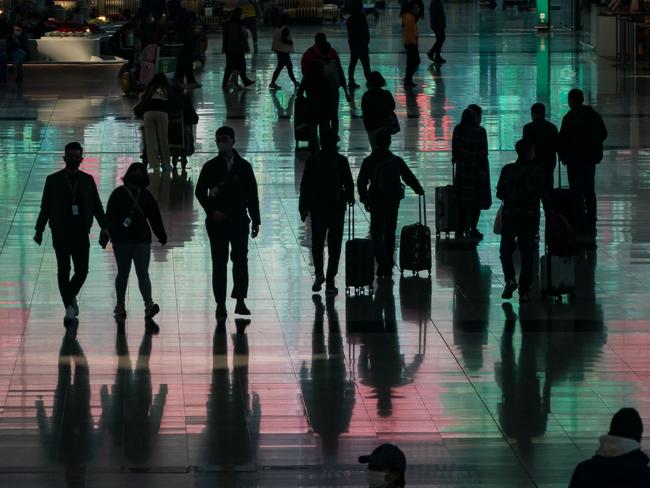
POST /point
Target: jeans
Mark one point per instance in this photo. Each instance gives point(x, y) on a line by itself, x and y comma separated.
point(327, 224)
point(362, 55)
point(75, 247)
point(412, 61)
point(156, 127)
point(139, 253)
point(284, 60)
point(520, 234)
point(233, 234)
point(582, 178)
point(440, 40)
point(17, 57)
point(383, 224)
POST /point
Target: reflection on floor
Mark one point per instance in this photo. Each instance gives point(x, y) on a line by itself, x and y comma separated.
point(475, 392)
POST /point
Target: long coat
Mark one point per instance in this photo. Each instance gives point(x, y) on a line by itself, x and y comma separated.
point(470, 154)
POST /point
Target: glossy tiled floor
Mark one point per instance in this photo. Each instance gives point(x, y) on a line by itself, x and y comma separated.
point(473, 394)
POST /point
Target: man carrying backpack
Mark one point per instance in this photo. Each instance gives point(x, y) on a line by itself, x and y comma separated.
point(380, 190)
point(325, 189)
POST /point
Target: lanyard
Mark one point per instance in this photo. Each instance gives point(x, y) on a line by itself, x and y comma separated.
point(135, 201)
point(73, 189)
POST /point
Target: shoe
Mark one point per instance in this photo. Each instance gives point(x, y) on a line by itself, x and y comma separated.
point(241, 324)
point(331, 290)
point(509, 289)
point(430, 55)
point(524, 297)
point(440, 60)
point(274, 86)
point(353, 85)
point(241, 308)
point(151, 327)
point(150, 310)
point(249, 82)
point(475, 234)
point(75, 305)
point(119, 312)
point(221, 311)
point(318, 283)
point(69, 314)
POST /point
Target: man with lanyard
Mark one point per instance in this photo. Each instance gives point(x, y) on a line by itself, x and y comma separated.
point(227, 191)
point(70, 202)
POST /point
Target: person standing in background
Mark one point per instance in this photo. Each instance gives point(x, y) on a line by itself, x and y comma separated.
point(411, 43)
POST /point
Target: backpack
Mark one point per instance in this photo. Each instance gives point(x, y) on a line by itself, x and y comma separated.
point(387, 182)
point(326, 180)
point(331, 72)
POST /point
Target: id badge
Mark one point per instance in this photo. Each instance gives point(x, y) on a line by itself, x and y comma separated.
point(127, 222)
point(75, 210)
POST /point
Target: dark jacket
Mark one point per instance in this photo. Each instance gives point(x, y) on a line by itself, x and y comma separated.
point(520, 187)
point(470, 154)
point(376, 107)
point(581, 136)
point(544, 136)
point(237, 195)
point(358, 32)
point(56, 205)
point(121, 206)
point(437, 18)
point(234, 39)
point(326, 183)
point(610, 469)
point(367, 179)
point(318, 97)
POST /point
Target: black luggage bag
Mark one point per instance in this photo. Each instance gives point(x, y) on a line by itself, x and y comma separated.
point(359, 260)
point(415, 243)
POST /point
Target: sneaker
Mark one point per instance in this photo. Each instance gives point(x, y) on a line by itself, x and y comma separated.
point(353, 85)
point(69, 314)
point(151, 327)
point(474, 233)
point(241, 324)
point(75, 305)
point(440, 60)
point(318, 283)
point(150, 310)
point(274, 86)
point(221, 311)
point(509, 289)
point(241, 308)
point(524, 297)
point(331, 290)
point(119, 312)
point(430, 55)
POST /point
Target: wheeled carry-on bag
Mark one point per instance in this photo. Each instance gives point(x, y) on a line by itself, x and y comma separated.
point(446, 207)
point(415, 243)
point(359, 260)
point(301, 127)
point(558, 275)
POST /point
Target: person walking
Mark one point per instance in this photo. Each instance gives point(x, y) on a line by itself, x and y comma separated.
point(438, 23)
point(325, 189)
point(409, 15)
point(544, 136)
point(132, 212)
point(282, 46)
point(227, 191)
point(472, 179)
point(313, 55)
point(69, 204)
point(380, 190)
point(15, 51)
point(520, 188)
point(580, 147)
point(619, 460)
point(333, 72)
point(250, 15)
point(154, 108)
point(235, 46)
point(377, 106)
point(185, 61)
point(358, 41)
point(314, 87)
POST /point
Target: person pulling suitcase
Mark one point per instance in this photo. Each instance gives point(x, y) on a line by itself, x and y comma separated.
point(380, 190)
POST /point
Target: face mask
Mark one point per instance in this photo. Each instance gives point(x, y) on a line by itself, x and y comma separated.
point(138, 180)
point(376, 479)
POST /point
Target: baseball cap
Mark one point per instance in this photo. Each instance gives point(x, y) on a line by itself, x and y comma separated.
point(386, 456)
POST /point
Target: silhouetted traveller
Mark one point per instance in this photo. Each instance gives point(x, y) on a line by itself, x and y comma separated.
point(70, 202)
point(438, 23)
point(314, 54)
point(333, 73)
point(131, 210)
point(472, 181)
point(386, 467)
point(581, 138)
point(15, 51)
point(315, 88)
point(619, 460)
point(410, 15)
point(235, 46)
point(227, 191)
point(544, 136)
point(520, 187)
point(250, 14)
point(185, 62)
point(325, 189)
point(384, 172)
point(282, 46)
point(377, 106)
point(358, 41)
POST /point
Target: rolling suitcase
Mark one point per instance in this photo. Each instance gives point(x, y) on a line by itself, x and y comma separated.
point(446, 207)
point(558, 275)
point(359, 260)
point(301, 127)
point(415, 243)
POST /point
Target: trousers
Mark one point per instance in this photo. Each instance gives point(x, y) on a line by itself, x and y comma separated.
point(225, 236)
point(357, 55)
point(383, 224)
point(156, 128)
point(328, 225)
point(518, 234)
point(138, 253)
point(582, 180)
point(284, 60)
point(76, 248)
point(412, 61)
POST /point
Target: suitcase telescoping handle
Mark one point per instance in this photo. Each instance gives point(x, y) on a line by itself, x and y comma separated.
point(422, 209)
point(350, 222)
point(559, 174)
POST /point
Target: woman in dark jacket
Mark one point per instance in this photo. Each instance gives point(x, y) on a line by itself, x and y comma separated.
point(377, 106)
point(131, 210)
point(235, 45)
point(472, 180)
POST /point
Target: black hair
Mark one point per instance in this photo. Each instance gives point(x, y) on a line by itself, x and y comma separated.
point(320, 38)
point(538, 109)
point(74, 146)
point(325, 49)
point(328, 139)
point(577, 96)
point(375, 80)
point(225, 131)
point(126, 179)
point(523, 147)
point(476, 109)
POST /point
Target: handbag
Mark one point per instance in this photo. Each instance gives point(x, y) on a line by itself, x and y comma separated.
point(393, 124)
point(498, 221)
